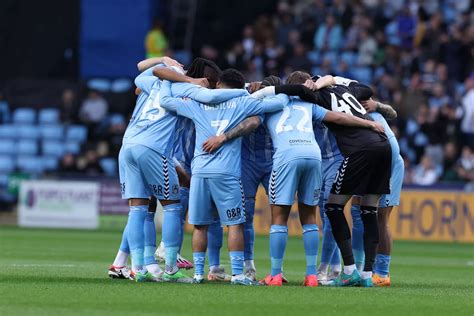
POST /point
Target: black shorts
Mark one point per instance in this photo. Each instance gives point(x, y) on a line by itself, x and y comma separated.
point(365, 172)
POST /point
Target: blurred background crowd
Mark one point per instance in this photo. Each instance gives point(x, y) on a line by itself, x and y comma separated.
point(417, 55)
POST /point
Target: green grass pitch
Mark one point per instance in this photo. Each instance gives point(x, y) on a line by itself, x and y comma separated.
point(58, 272)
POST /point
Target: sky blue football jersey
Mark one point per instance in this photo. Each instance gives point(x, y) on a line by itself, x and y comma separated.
point(326, 141)
point(216, 119)
point(258, 146)
point(292, 131)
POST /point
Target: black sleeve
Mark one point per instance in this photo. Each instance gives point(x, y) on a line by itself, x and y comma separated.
point(298, 90)
point(360, 91)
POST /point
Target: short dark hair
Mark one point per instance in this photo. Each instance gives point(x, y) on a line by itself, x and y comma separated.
point(204, 68)
point(232, 78)
point(271, 81)
point(298, 77)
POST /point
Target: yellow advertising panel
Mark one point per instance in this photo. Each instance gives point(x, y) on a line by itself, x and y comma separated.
point(421, 215)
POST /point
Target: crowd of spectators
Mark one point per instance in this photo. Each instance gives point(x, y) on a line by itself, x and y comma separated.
point(417, 55)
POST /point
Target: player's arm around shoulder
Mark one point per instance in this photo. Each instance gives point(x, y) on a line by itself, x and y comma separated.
point(167, 101)
point(272, 103)
point(340, 118)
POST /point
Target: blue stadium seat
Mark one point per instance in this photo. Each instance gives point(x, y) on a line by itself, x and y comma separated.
point(3, 180)
point(362, 74)
point(55, 131)
point(30, 164)
point(109, 165)
point(350, 58)
point(121, 85)
point(7, 131)
point(7, 164)
point(27, 147)
point(27, 131)
point(48, 116)
point(102, 85)
point(77, 133)
point(50, 163)
point(7, 147)
point(72, 147)
point(53, 148)
point(24, 116)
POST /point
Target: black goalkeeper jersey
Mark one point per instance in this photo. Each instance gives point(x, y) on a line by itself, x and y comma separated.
point(342, 98)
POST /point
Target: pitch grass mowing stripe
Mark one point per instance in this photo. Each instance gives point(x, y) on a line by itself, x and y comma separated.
point(59, 272)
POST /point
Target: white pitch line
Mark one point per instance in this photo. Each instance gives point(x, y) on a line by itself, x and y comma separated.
point(45, 265)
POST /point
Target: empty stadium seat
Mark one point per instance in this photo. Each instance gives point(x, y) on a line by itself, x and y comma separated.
point(30, 164)
point(121, 85)
point(48, 116)
point(50, 131)
point(109, 165)
point(7, 164)
point(102, 85)
point(27, 131)
point(50, 162)
point(7, 147)
point(362, 74)
point(3, 180)
point(24, 116)
point(77, 133)
point(72, 147)
point(52, 148)
point(7, 131)
point(27, 147)
point(350, 58)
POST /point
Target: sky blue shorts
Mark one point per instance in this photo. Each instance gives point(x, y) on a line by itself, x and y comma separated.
point(144, 173)
point(216, 198)
point(254, 173)
point(396, 181)
point(300, 175)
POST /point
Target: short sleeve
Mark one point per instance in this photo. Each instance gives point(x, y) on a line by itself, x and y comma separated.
point(319, 113)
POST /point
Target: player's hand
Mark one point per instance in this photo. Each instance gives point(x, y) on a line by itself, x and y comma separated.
point(213, 143)
point(370, 105)
point(310, 84)
point(170, 62)
point(138, 91)
point(203, 82)
point(254, 86)
point(377, 127)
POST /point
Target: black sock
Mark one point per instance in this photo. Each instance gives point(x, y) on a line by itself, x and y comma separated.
point(371, 234)
point(341, 231)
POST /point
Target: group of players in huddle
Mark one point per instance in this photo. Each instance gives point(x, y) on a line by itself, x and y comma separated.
point(201, 141)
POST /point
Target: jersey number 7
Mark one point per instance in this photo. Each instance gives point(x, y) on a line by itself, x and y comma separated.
point(221, 125)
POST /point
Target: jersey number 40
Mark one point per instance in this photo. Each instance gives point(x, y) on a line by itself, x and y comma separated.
point(345, 104)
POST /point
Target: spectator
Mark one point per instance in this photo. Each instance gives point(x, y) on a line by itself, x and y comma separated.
point(467, 123)
point(367, 48)
point(300, 61)
point(439, 97)
point(68, 164)
point(156, 43)
point(450, 161)
point(406, 28)
point(329, 35)
point(68, 107)
point(465, 168)
point(89, 164)
point(425, 173)
point(93, 109)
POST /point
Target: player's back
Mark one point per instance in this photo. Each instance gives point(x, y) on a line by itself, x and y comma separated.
point(151, 125)
point(185, 142)
point(257, 146)
point(326, 141)
point(292, 132)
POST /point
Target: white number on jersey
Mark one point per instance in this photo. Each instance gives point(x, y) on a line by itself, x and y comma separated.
point(151, 105)
point(221, 125)
point(303, 125)
point(345, 104)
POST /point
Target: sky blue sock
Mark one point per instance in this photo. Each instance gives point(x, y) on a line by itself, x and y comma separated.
point(382, 264)
point(237, 262)
point(136, 235)
point(171, 232)
point(278, 240)
point(184, 200)
point(150, 238)
point(249, 233)
point(329, 250)
point(199, 259)
point(311, 245)
point(124, 243)
point(357, 237)
point(214, 243)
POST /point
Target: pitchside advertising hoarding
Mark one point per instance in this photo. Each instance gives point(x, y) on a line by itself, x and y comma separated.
point(59, 204)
